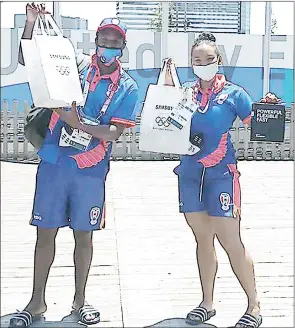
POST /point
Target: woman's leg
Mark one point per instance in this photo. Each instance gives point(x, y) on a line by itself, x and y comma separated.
point(201, 226)
point(228, 234)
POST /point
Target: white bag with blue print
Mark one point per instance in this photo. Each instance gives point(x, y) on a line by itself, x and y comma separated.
point(158, 131)
point(51, 66)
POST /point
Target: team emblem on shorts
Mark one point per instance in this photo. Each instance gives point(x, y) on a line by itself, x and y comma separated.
point(224, 201)
point(37, 216)
point(180, 205)
point(221, 99)
point(94, 215)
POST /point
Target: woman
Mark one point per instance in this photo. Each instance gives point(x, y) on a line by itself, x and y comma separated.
point(209, 189)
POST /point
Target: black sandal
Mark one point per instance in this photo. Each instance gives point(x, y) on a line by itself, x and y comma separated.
point(199, 315)
point(249, 321)
point(85, 311)
point(24, 319)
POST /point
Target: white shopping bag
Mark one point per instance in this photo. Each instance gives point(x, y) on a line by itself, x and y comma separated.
point(157, 133)
point(51, 66)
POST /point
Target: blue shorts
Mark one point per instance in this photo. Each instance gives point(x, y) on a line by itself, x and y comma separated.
point(63, 197)
point(215, 191)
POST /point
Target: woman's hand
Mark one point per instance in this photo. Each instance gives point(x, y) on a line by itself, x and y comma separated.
point(270, 98)
point(237, 212)
point(168, 76)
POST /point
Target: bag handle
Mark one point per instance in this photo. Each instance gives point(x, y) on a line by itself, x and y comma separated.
point(51, 22)
point(174, 75)
point(40, 25)
point(47, 24)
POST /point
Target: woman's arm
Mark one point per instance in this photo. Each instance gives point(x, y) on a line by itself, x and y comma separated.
point(269, 98)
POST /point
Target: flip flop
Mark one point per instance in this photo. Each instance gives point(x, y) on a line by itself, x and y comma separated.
point(249, 321)
point(85, 311)
point(199, 315)
point(24, 319)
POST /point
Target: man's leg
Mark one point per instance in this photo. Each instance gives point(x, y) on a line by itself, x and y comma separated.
point(44, 256)
point(82, 259)
point(87, 196)
point(49, 214)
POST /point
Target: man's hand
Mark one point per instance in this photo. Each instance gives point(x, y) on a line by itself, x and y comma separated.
point(270, 98)
point(103, 132)
point(75, 123)
point(32, 11)
point(70, 116)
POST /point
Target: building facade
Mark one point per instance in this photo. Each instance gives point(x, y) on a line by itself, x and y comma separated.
point(193, 16)
point(68, 23)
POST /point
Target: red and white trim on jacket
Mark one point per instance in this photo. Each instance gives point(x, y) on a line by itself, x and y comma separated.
point(114, 76)
point(216, 157)
point(247, 120)
point(236, 185)
point(91, 157)
point(127, 123)
point(218, 85)
point(53, 120)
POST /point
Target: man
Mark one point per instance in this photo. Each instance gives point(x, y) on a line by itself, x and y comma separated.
point(70, 184)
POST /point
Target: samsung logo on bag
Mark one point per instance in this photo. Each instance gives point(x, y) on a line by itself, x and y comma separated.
point(59, 57)
point(164, 107)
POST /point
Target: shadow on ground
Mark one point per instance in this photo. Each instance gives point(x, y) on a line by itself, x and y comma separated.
point(69, 321)
point(177, 323)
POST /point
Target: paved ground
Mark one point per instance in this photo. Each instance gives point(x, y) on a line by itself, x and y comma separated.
point(144, 269)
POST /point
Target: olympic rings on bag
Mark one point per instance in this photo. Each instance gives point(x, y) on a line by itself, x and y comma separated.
point(63, 70)
point(162, 121)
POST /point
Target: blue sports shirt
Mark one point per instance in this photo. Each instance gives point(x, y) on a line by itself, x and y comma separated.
point(122, 109)
point(227, 101)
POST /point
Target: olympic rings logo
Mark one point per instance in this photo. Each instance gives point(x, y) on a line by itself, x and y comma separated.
point(63, 70)
point(162, 121)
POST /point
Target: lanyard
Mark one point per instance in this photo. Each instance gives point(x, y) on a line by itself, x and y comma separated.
point(196, 89)
point(108, 99)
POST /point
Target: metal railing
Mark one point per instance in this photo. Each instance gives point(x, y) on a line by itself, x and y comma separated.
point(15, 147)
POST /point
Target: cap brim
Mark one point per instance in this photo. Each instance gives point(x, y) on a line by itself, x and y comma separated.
point(113, 26)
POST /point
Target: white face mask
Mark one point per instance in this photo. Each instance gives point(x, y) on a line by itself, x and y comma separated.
point(207, 72)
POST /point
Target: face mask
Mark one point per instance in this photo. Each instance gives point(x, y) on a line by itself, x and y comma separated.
point(207, 72)
point(108, 55)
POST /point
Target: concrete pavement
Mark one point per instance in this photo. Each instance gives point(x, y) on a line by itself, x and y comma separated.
point(144, 270)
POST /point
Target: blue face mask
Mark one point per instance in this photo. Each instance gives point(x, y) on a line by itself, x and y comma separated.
point(108, 55)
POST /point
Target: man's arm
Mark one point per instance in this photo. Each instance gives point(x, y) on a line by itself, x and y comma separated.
point(124, 117)
point(103, 132)
point(32, 12)
point(27, 34)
